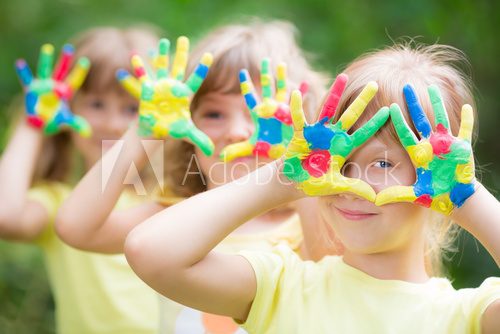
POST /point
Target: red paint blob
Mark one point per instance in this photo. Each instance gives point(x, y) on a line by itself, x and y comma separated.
point(424, 200)
point(262, 149)
point(283, 114)
point(62, 91)
point(35, 121)
point(441, 141)
point(317, 163)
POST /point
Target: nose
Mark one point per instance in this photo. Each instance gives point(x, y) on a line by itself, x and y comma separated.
point(240, 127)
point(116, 122)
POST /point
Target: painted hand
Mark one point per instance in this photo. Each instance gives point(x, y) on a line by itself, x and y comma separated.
point(444, 164)
point(317, 152)
point(271, 117)
point(164, 100)
point(47, 96)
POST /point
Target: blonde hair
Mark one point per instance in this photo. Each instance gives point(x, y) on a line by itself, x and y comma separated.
point(108, 49)
point(420, 66)
point(235, 47)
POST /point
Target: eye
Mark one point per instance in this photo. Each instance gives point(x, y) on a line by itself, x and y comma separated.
point(131, 109)
point(212, 115)
point(382, 164)
point(96, 104)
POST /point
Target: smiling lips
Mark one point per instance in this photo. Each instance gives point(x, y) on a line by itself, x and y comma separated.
point(355, 215)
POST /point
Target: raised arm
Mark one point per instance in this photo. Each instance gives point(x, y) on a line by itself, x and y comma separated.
point(20, 218)
point(87, 220)
point(47, 98)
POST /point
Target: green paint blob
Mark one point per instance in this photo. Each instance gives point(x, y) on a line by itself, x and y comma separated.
point(294, 171)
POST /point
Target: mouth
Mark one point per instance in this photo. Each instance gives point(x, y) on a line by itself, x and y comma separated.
point(355, 214)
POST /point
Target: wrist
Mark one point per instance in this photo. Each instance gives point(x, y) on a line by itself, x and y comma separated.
point(464, 215)
point(282, 185)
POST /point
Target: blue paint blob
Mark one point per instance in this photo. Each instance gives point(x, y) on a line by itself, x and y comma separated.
point(202, 70)
point(31, 100)
point(318, 136)
point(250, 101)
point(270, 130)
point(121, 74)
point(423, 186)
point(64, 115)
point(460, 192)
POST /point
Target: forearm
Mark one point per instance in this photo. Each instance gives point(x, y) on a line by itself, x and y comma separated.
point(182, 235)
point(17, 167)
point(480, 216)
point(86, 210)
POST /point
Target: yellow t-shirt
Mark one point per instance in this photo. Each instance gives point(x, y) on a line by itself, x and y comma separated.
point(295, 296)
point(93, 293)
point(178, 319)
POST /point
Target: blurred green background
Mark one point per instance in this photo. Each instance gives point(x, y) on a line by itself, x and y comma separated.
point(335, 31)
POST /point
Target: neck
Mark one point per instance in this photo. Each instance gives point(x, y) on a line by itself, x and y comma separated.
point(404, 264)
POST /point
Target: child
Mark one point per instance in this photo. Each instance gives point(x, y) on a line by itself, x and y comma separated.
point(93, 293)
point(382, 283)
point(218, 109)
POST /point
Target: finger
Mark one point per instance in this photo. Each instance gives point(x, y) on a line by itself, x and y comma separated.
point(187, 129)
point(405, 134)
point(334, 183)
point(440, 115)
point(281, 88)
point(417, 114)
point(354, 111)
point(78, 74)
point(466, 123)
point(247, 90)
point(62, 66)
point(233, 151)
point(201, 140)
point(129, 83)
point(332, 101)
point(357, 187)
point(180, 58)
point(395, 194)
point(45, 61)
point(23, 72)
point(371, 127)
point(266, 79)
point(298, 118)
point(160, 61)
point(80, 125)
point(139, 69)
point(200, 73)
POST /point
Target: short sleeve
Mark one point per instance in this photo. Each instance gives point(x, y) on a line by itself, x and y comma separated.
point(50, 196)
point(270, 270)
point(477, 302)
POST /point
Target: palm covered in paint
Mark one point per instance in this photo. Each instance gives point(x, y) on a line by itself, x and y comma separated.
point(271, 116)
point(317, 152)
point(444, 163)
point(47, 96)
point(164, 100)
